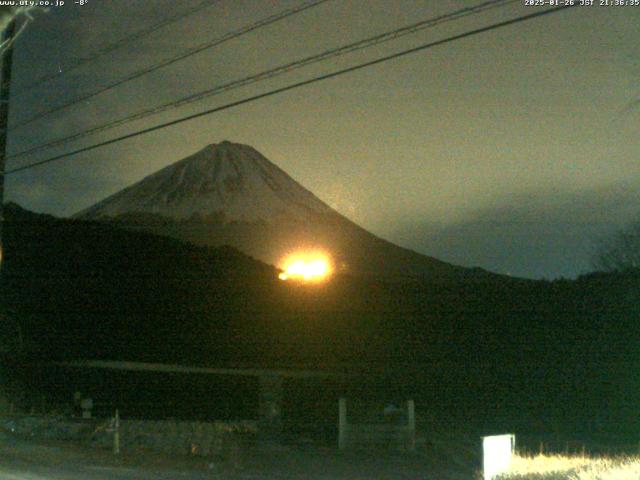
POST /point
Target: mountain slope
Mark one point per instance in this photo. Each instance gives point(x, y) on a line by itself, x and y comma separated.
point(87, 289)
point(230, 194)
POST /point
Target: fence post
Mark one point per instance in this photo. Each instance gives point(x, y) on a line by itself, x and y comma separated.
point(411, 421)
point(342, 423)
point(116, 434)
point(270, 407)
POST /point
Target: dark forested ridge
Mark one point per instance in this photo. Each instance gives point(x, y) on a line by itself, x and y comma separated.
point(490, 346)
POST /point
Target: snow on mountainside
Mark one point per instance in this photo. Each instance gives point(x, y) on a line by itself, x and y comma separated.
point(228, 182)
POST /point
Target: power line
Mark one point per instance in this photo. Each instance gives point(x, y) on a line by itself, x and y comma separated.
point(274, 72)
point(8, 43)
point(122, 42)
point(293, 86)
point(169, 61)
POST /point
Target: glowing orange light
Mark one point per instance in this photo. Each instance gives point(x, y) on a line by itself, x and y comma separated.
point(307, 267)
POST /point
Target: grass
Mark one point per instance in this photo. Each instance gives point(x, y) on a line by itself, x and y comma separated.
point(578, 467)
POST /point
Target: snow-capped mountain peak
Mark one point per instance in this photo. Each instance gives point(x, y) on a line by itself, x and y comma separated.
point(229, 194)
point(227, 181)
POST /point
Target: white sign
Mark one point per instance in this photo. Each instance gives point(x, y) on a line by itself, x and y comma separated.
point(497, 452)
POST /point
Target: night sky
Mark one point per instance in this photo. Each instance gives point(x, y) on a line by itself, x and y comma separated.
point(515, 150)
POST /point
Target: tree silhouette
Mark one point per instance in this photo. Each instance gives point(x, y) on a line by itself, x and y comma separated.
point(620, 252)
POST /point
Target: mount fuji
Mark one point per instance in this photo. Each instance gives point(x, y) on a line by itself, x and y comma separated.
point(228, 193)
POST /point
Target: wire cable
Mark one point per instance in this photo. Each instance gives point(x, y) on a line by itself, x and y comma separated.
point(292, 86)
point(134, 37)
point(7, 44)
point(273, 72)
point(169, 61)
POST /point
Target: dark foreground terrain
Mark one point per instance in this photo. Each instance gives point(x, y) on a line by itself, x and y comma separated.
point(488, 354)
point(24, 459)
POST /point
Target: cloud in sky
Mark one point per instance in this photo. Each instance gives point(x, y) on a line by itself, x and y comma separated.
point(536, 234)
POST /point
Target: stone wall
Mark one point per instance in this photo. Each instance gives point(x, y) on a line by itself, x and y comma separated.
point(167, 436)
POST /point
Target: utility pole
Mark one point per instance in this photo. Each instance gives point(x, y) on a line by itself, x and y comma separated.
point(5, 80)
point(5, 87)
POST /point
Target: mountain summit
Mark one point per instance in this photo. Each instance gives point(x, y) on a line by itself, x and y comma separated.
point(228, 193)
point(227, 182)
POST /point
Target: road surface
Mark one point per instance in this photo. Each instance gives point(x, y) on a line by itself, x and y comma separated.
point(24, 459)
